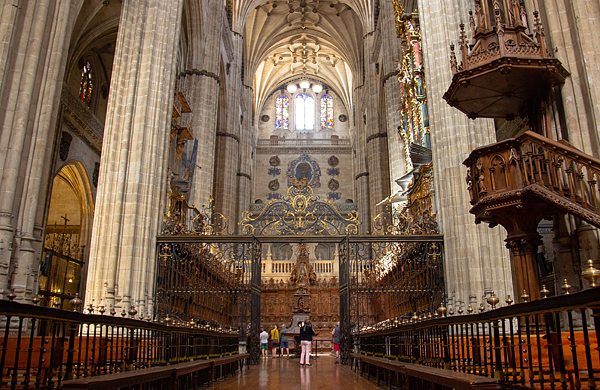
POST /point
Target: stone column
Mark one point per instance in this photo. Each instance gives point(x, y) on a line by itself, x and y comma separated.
point(133, 169)
point(203, 88)
point(361, 175)
point(34, 41)
point(390, 53)
point(228, 156)
point(476, 261)
point(571, 27)
point(245, 169)
point(376, 134)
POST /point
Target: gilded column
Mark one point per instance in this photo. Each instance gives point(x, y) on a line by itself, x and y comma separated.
point(133, 170)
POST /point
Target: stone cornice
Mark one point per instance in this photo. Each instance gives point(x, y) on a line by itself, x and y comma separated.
point(364, 174)
point(313, 150)
point(203, 72)
point(378, 135)
point(224, 134)
point(82, 121)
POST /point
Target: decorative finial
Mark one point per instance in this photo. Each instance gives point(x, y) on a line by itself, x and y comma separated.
point(76, 302)
point(113, 311)
point(591, 274)
point(123, 313)
point(509, 301)
point(36, 299)
point(56, 303)
point(470, 309)
point(493, 300)
point(566, 287)
point(544, 291)
point(415, 318)
point(451, 312)
point(101, 310)
point(132, 311)
point(481, 308)
point(460, 310)
point(525, 296)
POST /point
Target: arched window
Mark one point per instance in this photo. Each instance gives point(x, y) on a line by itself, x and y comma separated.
point(327, 112)
point(305, 112)
point(85, 90)
point(282, 113)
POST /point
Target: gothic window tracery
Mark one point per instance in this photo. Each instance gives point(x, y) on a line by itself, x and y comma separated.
point(305, 112)
point(86, 87)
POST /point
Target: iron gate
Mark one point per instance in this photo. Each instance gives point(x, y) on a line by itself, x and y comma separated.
point(206, 277)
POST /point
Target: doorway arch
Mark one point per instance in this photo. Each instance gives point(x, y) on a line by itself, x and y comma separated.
point(68, 230)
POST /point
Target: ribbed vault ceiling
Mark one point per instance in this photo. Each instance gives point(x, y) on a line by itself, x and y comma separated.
point(286, 40)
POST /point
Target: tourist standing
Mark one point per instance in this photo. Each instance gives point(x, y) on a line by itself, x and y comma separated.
point(264, 343)
point(284, 340)
point(306, 334)
point(336, 342)
point(274, 340)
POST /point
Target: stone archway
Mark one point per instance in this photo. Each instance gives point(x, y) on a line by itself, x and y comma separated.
point(67, 236)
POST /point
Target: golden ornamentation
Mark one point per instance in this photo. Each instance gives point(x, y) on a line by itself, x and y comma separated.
point(413, 104)
point(299, 213)
point(591, 274)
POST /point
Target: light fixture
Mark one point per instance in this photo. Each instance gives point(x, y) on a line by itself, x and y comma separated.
point(304, 84)
point(292, 88)
point(317, 88)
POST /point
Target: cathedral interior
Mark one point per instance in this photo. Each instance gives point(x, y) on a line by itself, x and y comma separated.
point(184, 172)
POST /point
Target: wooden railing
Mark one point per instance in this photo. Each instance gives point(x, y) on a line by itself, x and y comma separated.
point(532, 165)
point(43, 347)
point(547, 343)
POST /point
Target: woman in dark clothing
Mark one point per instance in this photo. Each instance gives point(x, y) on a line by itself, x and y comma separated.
point(306, 334)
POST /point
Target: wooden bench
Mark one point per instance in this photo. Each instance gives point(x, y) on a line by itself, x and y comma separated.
point(168, 374)
point(415, 373)
point(380, 363)
point(447, 378)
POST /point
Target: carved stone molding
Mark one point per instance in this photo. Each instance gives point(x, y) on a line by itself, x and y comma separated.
point(224, 134)
point(374, 136)
point(203, 72)
point(313, 150)
point(82, 121)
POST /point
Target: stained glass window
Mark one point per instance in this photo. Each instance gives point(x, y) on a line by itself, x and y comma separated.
point(327, 112)
point(85, 90)
point(305, 112)
point(282, 107)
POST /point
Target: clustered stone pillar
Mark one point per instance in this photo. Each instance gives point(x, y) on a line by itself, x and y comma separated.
point(34, 39)
point(203, 88)
point(476, 261)
point(391, 51)
point(229, 137)
point(133, 171)
point(376, 135)
point(245, 170)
